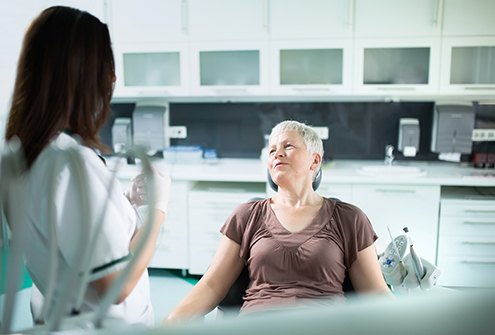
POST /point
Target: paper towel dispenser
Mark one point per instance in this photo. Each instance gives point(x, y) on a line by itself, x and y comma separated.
point(408, 142)
point(149, 123)
point(452, 129)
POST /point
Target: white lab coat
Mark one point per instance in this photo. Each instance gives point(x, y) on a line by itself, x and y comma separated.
point(48, 172)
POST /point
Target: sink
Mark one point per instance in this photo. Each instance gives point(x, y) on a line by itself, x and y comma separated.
point(391, 171)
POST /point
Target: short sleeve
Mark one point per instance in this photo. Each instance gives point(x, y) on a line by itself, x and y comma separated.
point(357, 231)
point(242, 224)
point(108, 217)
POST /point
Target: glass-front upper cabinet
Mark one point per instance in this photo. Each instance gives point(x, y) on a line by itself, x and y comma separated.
point(229, 69)
point(313, 19)
point(397, 18)
point(151, 70)
point(317, 68)
point(396, 67)
point(468, 66)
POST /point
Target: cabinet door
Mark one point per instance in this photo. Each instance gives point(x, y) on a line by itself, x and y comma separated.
point(209, 205)
point(397, 18)
point(468, 18)
point(213, 20)
point(171, 251)
point(468, 66)
point(314, 19)
point(148, 21)
point(396, 66)
point(343, 192)
point(318, 67)
point(151, 70)
point(229, 69)
point(399, 206)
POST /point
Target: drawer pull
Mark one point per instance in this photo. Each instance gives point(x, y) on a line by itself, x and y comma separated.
point(479, 211)
point(402, 191)
point(478, 242)
point(474, 261)
point(479, 222)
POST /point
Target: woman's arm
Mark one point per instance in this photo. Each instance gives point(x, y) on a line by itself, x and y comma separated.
point(214, 285)
point(365, 272)
point(103, 284)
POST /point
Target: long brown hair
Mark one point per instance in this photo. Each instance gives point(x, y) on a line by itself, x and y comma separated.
point(65, 78)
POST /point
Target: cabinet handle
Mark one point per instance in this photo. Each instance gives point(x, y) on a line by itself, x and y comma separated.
point(437, 13)
point(157, 93)
point(266, 16)
point(480, 211)
point(479, 88)
point(350, 14)
point(479, 222)
point(185, 16)
point(478, 261)
point(478, 242)
point(392, 87)
point(231, 91)
point(403, 191)
point(310, 89)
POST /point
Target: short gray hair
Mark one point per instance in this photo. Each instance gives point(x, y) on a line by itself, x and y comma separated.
point(310, 137)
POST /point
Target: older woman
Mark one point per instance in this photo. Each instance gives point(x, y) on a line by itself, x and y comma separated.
point(297, 245)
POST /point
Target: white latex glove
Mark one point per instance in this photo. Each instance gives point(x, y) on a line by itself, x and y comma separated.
point(138, 194)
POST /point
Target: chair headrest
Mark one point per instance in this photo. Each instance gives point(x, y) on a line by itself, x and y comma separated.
point(315, 184)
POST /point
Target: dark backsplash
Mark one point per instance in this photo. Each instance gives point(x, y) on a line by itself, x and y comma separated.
point(357, 130)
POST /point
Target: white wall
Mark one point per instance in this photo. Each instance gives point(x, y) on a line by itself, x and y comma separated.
point(14, 20)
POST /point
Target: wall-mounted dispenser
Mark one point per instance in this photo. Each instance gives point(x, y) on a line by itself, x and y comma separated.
point(452, 129)
point(150, 121)
point(408, 137)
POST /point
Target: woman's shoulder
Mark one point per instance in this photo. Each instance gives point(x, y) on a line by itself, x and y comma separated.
point(346, 210)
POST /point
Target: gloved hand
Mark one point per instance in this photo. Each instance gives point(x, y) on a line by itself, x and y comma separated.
point(137, 195)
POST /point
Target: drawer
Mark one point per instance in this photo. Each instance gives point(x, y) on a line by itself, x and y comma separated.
point(467, 271)
point(482, 246)
point(468, 209)
point(205, 239)
point(467, 226)
point(170, 257)
point(200, 259)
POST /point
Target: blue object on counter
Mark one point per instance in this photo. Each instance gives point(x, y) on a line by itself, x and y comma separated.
point(191, 154)
point(210, 156)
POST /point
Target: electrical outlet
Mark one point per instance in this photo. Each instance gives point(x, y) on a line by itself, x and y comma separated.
point(483, 135)
point(177, 131)
point(322, 132)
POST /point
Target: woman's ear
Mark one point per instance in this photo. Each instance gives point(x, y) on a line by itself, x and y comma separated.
point(316, 161)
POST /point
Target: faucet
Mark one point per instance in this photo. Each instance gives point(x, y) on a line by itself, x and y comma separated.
point(389, 155)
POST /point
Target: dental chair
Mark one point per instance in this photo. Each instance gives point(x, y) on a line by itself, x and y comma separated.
point(233, 301)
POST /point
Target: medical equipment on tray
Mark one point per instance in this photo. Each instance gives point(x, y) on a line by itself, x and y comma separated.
point(12, 168)
point(402, 267)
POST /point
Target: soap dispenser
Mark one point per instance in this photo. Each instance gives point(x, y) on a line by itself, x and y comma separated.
point(408, 137)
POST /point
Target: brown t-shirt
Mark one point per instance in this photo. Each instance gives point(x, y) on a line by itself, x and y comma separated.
point(289, 268)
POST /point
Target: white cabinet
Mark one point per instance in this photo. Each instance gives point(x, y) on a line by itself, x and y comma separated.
point(148, 21)
point(316, 67)
point(397, 18)
point(95, 7)
point(172, 251)
point(466, 247)
point(468, 18)
point(209, 205)
point(151, 70)
point(229, 69)
point(468, 65)
point(150, 47)
point(396, 66)
point(233, 20)
point(343, 192)
point(310, 19)
point(399, 206)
